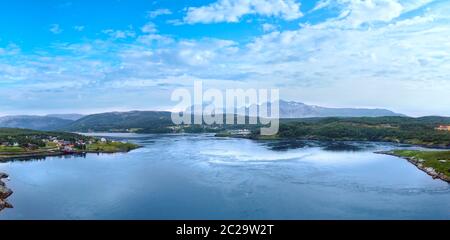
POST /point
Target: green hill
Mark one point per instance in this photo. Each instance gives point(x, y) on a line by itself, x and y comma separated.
point(135, 121)
point(45, 123)
point(419, 131)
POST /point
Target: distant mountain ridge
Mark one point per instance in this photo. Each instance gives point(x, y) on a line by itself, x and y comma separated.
point(152, 121)
point(291, 109)
point(69, 116)
point(44, 123)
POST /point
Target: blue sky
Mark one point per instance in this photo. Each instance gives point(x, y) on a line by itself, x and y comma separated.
point(96, 56)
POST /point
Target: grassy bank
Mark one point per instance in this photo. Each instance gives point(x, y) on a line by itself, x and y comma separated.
point(437, 160)
point(111, 147)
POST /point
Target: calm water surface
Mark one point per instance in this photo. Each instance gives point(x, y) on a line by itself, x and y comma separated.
point(203, 177)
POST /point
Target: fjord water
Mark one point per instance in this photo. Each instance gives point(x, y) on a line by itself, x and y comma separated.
point(204, 177)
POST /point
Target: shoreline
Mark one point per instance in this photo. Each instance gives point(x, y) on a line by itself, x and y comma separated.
point(428, 170)
point(430, 146)
point(44, 154)
point(4, 192)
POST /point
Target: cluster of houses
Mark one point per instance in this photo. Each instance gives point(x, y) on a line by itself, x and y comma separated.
point(240, 132)
point(443, 128)
point(69, 146)
point(8, 144)
point(61, 144)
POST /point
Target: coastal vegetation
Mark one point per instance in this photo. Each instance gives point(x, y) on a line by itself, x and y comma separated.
point(435, 163)
point(416, 131)
point(110, 147)
point(24, 143)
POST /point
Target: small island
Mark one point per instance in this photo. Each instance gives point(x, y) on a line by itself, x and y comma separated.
point(26, 144)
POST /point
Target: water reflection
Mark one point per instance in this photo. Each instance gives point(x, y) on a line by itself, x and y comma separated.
point(43, 158)
point(336, 146)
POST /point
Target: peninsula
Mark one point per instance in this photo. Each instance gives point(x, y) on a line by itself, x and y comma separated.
point(25, 144)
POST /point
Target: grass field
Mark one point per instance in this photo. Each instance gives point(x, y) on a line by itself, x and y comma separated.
point(4, 149)
point(438, 160)
point(111, 147)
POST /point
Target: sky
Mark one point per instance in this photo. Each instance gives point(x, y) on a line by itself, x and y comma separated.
point(80, 56)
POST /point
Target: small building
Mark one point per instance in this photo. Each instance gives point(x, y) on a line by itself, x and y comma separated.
point(103, 140)
point(443, 128)
point(240, 132)
point(32, 146)
point(67, 149)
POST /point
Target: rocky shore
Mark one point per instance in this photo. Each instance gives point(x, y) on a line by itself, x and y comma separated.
point(419, 164)
point(4, 192)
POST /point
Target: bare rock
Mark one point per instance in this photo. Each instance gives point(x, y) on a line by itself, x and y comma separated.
point(4, 204)
point(3, 175)
point(431, 171)
point(8, 205)
point(5, 192)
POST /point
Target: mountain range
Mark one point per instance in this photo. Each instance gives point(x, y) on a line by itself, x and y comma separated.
point(152, 120)
point(300, 110)
point(291, 109)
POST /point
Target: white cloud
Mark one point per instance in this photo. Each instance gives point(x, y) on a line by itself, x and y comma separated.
point(268, 27)
point(79, 28)
point(199, 53)
point(321, 4)
point(354, 13)
point(409, 5)
point(402, 63)
point(151, 38)
point(234, 10)
point(149, 28)
point(159, 12)
point(9, 50)
point(406, 55)
point(360, 12)
point(119, 34)
point(55, 29)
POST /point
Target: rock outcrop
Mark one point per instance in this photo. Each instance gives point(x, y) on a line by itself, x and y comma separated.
point(419, 164)
point(4, 192)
